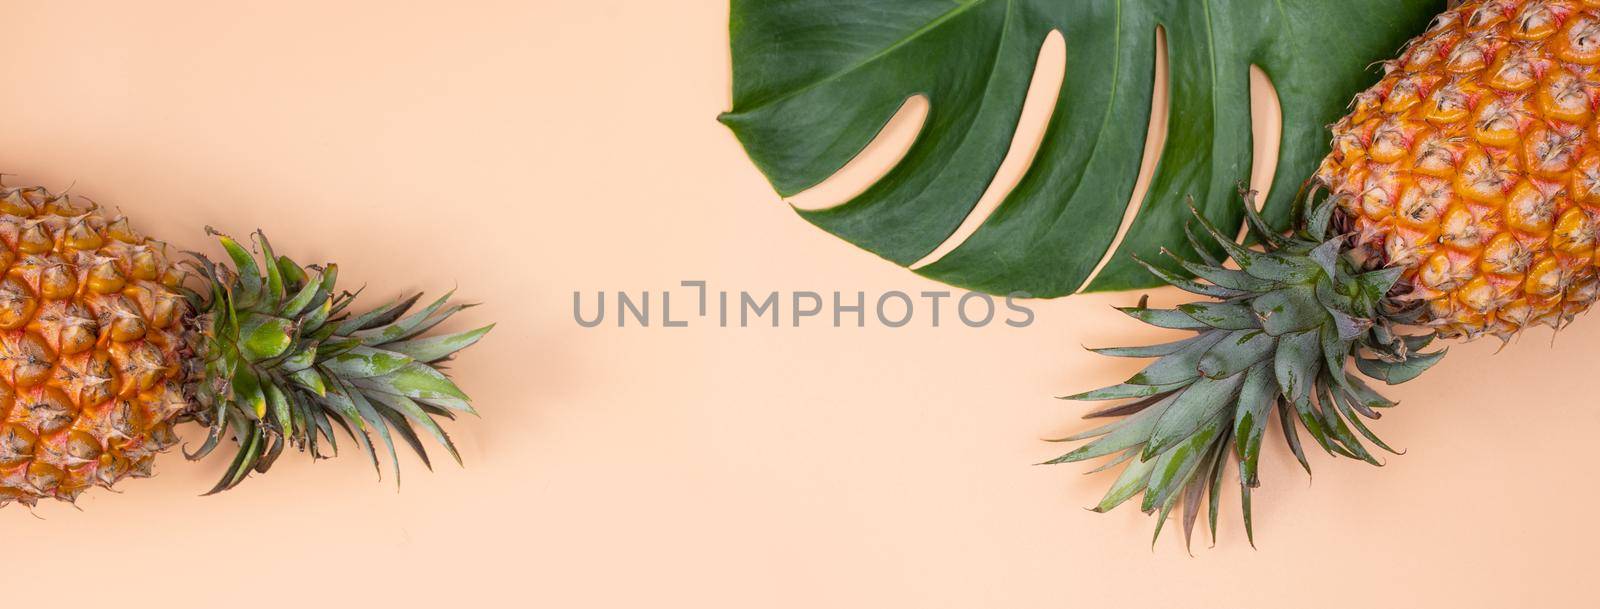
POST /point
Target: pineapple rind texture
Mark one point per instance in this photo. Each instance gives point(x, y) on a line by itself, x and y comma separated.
point(1475, 165)
point(91, 348)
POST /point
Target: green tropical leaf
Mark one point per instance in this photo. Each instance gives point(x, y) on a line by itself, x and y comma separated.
point(814, 81)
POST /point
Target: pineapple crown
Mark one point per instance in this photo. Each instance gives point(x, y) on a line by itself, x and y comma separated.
point(1274, 340)
point(279, 362)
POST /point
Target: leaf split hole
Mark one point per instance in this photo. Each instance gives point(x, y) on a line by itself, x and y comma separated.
point(875, 161)
point(1266, 129)
point(1266, 137)
point(1155, 141)
point(1049, 74)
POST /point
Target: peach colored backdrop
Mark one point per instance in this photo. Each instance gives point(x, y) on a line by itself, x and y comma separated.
point(524, 150)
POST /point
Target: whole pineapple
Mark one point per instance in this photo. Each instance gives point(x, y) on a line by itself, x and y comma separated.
point(106, 345)
point(1461, 198)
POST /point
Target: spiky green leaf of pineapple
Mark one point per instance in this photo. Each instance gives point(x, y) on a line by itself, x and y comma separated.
point(281, 362)
point(1274, 341)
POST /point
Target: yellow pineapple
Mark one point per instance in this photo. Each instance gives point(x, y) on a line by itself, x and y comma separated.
point(106, 345)
point(1474, 164)
point(1461, 198)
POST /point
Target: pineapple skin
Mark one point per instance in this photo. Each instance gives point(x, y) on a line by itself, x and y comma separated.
point(92, 348)
point(1474, 164)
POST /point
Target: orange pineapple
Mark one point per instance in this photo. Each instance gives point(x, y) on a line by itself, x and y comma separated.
point(1474, 165)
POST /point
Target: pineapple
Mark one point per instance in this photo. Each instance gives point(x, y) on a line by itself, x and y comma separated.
point(1473, 165)
point(106, 345)
point(1461, 199)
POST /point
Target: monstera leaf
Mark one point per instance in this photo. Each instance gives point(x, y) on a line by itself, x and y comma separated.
point(816, 80)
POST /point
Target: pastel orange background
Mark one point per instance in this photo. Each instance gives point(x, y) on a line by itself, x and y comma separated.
point(526, 150)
